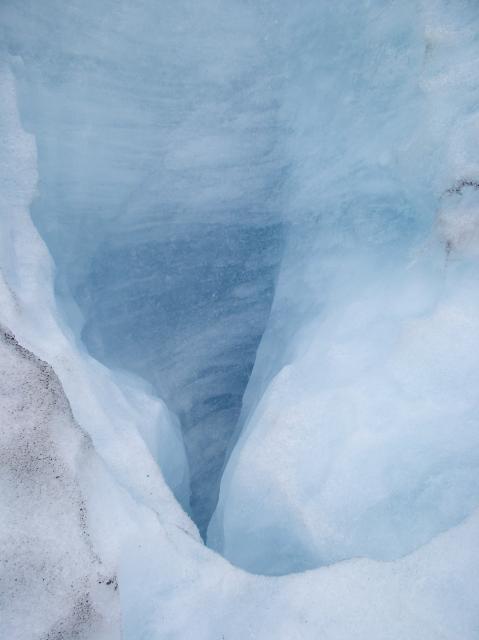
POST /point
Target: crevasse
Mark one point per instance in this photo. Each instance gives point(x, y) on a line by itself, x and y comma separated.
point(264, 225)
point(159, 196)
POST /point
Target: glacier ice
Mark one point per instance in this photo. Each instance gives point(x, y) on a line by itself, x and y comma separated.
point(222, 184)
point(158, 187)
point(360, 434)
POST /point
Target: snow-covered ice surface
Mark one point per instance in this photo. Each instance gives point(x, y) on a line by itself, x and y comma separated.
point(141, 135)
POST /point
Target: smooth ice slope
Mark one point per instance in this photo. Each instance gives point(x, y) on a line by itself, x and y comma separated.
point(361, 433)
point(157, 126)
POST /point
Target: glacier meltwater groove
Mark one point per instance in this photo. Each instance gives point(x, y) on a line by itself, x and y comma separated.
point(239, 320)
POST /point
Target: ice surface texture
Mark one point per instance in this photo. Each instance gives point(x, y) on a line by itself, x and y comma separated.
point(158, 197)
point(179, 149)
point(361, 435)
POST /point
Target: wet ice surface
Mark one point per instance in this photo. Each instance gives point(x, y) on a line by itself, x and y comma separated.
point(212, 178)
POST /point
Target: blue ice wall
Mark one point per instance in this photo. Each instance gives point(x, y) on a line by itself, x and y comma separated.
point(159, 193)
point(218, 175)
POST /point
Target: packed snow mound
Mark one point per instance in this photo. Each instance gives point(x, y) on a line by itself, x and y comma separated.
point(159, 170)
point(50, 566)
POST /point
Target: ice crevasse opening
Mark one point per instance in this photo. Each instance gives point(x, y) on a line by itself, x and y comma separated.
point(264, 224)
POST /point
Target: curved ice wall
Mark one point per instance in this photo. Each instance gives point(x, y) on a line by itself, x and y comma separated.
point(157, 132)
point(361, 433)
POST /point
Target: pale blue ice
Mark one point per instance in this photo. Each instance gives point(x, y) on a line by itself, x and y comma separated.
point(263, 227)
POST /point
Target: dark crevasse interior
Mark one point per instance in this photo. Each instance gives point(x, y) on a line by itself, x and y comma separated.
point(158, 131)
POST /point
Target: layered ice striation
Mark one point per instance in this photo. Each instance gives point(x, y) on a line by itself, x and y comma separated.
point(159, 194)
point(209, 177)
